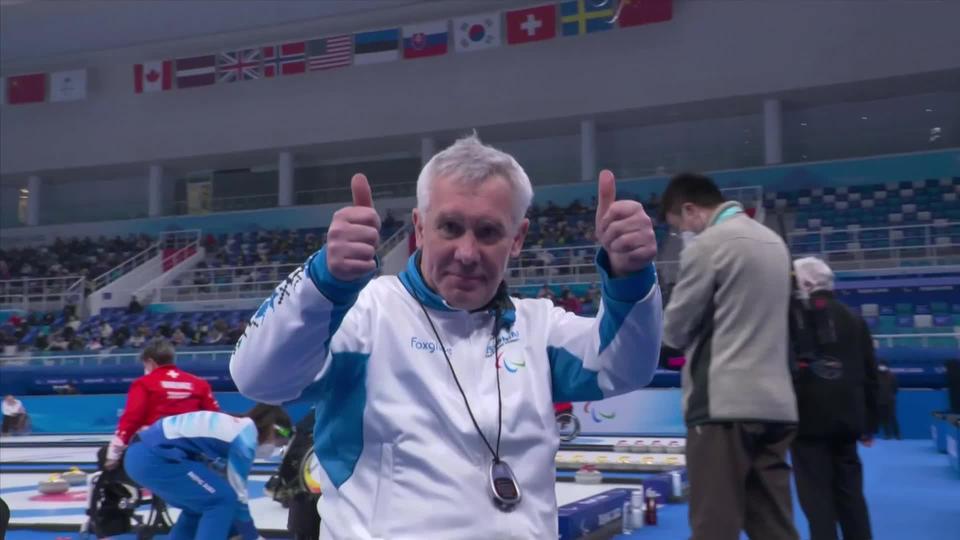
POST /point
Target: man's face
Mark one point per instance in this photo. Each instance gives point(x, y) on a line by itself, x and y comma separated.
point(466, 237)
point(687, 219)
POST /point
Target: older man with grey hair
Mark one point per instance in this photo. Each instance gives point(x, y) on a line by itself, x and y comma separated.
point(434, 389)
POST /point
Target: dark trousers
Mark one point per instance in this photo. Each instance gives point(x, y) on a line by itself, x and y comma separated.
point(13, 423)
point(889, 426)
point(830, 486)
point(740, 480)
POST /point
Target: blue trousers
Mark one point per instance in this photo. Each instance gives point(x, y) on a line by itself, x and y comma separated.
point(209, 506)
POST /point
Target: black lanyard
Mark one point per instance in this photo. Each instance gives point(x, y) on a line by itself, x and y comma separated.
point(496, 351)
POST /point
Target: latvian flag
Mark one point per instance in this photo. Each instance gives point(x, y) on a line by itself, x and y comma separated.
point(196, 71)
point(285, 59)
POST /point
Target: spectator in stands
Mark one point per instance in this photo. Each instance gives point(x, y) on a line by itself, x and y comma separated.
point(837, 400)
point(217, 336)
point(569, 301)
point(94, 344)
point(887, 401)
point(729, 313)
point(4, 270)
point(164, 390)
point(134, 306)
point(58, 341)
point(41, 342)
point(14, 415)
point(139, 337)
point(106, 331)
point(234, 335)
point(179, 338)
point(545, 292)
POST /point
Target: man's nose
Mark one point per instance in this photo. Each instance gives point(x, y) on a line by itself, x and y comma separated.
point(467, 252)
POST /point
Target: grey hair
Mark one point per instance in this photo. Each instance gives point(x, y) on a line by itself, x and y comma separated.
point(813, 275)
point(469, 161)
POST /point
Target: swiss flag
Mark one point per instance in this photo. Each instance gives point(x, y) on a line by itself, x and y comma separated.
point(153, 76)
point(637, 12)
point(27, 88)
point(532, 24)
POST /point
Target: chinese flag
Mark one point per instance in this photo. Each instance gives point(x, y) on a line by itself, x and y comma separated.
point(27, 89)
point(637, 12)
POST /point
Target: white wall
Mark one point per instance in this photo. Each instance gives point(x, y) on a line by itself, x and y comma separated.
point(710, 50)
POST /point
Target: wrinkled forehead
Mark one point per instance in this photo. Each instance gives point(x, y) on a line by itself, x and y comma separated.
point(490, 201)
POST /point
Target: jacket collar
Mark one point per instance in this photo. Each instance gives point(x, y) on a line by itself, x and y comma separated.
point(724, 212)
point(413, 281)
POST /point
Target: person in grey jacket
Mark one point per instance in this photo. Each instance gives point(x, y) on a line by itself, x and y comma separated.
point(728, 312)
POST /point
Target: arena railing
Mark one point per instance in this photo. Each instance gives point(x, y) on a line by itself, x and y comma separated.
point(229, 204)
point(932, 244)
point(175, 240)
point(105, 358)
point(41, 294)
point(225, 283)
point(942, 339)
point(334, 195)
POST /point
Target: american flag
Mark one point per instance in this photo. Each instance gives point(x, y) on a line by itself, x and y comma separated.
point(329, 53)
point(242, 65)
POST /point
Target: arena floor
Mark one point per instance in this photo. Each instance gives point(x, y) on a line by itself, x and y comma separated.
point(911, 489)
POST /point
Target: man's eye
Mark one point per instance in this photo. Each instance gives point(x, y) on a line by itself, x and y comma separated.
point(450, 228)
point(488, 234)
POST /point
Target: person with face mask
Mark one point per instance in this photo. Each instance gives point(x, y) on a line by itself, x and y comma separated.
point(434, 389)
point(164, 390)
point(728, 313)
point(199, 462)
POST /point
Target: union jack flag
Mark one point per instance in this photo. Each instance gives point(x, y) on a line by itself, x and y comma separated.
point(242, 65)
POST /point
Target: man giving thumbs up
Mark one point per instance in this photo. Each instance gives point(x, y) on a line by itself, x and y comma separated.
point(434, 389)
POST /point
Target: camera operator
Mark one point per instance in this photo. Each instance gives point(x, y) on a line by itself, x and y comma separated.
point(836, 387)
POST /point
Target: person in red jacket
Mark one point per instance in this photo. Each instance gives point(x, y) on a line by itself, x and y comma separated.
point(163, 391)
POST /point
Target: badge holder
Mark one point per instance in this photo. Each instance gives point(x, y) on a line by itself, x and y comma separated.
point(506, 490)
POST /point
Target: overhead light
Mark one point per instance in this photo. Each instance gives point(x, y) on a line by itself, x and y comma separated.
point(864, 117)
point(928, 109)
point(804, 124)
point(25, 191)
point(804, 156)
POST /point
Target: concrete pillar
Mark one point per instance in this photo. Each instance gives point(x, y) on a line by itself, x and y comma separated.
point(285, 179)
point(588, 150)
point(34, 187)
point(772, 131)
point(428, 147)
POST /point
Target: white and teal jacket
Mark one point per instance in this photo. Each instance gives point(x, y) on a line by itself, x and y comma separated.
point(400, 456)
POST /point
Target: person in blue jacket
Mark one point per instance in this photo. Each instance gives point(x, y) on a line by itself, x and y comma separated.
point(199, 462)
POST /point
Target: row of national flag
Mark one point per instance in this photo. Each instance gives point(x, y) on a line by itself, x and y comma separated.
point(58, 86)
point(462, 34)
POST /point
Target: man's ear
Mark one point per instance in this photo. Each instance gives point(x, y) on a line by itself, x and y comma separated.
point(519, 238)
point(418, 224)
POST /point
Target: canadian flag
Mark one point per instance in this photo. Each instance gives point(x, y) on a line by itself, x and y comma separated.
point(153, 76)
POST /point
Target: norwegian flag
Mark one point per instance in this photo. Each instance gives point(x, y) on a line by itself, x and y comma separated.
point(285, 59)
point(242, 65)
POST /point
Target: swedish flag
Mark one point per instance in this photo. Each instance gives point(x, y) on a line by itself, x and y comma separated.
point(579, 17)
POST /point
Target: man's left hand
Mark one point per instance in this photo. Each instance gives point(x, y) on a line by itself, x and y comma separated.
point(624, 229)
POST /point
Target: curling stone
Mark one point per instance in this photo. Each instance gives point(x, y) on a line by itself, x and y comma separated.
point(674, 447)
point(75, 477)
point(53, 485)
point(657, 447)
point(588, 474)
point(640, 446)
point(622, 446)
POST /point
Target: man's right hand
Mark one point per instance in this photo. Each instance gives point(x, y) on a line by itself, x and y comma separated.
point(354, 235)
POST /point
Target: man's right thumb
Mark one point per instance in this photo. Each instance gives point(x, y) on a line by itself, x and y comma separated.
point(361, 191)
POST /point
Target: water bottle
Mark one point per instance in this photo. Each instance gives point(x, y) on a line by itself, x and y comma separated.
point(626, 518)
point(636, 509)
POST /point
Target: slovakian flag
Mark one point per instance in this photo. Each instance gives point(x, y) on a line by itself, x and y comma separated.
point(579, 17)
point(30, 88)
point(531, 24)
point(196, 71)
point(426, 39)
point(154, 76)
point(286, 59)
point(637, 12)
point(376, 46)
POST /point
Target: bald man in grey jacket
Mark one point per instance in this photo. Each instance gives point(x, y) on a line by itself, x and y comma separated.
point(728, 312)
